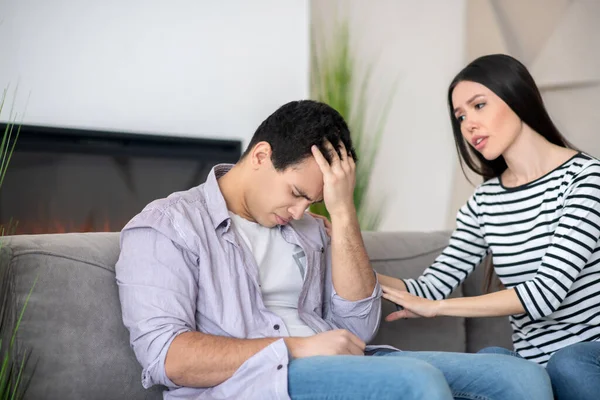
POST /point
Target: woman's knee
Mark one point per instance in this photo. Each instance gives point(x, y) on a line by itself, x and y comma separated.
point(568, 362)
point(525, 379)
point(574, 371)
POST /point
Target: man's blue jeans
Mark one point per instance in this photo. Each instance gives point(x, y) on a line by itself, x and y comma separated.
point(574, 370)
point(417, 375)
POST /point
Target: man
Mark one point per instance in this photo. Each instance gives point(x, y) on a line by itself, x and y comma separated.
point(231, 291)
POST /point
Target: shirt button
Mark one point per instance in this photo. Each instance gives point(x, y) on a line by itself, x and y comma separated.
point(322, 249)
point(276, 327)
point(279, 366)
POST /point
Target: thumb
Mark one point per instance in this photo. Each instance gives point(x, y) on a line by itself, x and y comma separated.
point(396, 315)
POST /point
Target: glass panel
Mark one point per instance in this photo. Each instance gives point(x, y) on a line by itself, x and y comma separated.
point(65, 192)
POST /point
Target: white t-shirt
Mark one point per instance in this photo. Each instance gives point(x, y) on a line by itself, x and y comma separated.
point(282, 268)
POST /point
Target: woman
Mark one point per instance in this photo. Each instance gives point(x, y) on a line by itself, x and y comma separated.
point(537, 213)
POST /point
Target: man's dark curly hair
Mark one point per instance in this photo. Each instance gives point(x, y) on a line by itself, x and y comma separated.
point(295, 127)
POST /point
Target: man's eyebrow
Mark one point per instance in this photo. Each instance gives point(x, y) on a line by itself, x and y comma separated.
point(303, 194)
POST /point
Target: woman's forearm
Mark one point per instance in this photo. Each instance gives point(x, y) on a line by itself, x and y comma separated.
point(502, 303)
point(395, 283)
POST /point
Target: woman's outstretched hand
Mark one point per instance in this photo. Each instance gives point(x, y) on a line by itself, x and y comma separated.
point(325, 221)
point(414, 306)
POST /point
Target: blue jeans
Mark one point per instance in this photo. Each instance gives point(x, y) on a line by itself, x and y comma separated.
point(417, 375)
point(574, 370)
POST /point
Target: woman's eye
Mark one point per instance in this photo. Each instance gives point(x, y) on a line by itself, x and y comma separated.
point(479, 106)
point(460, 118)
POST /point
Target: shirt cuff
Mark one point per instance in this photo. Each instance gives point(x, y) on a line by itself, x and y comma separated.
point(358, 308)
point(155, 373)
point(527, 301)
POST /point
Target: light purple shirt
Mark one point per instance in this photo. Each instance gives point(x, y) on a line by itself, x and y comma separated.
point(183, 268)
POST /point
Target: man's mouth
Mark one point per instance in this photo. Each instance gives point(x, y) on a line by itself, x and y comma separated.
point(281, 221)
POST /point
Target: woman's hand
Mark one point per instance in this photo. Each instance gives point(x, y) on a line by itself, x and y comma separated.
point(325, 221)
point(414, 306)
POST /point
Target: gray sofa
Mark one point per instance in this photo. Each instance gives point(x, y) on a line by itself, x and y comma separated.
point(80, 348)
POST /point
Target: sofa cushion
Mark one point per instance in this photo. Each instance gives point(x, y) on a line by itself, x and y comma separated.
point(73, 324)
point(406, 255)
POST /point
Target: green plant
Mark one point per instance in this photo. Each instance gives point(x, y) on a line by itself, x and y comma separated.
point(12, 365)
point(8, 140)
point(335, 81)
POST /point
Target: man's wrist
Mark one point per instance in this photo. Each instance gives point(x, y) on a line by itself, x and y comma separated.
point(344, 214)
point(293, 344)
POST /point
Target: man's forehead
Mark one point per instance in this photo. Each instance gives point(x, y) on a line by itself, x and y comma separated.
point(307, 165)
point(307, 178)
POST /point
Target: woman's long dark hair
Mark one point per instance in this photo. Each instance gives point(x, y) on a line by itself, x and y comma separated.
point(509, 80)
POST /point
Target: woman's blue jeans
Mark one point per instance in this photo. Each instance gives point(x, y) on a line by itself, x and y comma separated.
point(417, 375)
point(574, 370)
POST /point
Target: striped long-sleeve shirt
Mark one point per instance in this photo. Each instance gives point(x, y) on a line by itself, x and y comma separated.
point(544, 240)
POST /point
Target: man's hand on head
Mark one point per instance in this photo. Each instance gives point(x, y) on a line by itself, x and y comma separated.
point(339, 178)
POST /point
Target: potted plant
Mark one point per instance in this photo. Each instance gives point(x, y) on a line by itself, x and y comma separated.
point(12, 362)
point(335, 80)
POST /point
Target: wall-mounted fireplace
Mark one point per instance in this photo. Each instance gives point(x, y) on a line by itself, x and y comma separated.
point(77, 180)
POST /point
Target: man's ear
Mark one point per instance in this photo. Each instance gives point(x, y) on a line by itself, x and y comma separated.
point(260, 155)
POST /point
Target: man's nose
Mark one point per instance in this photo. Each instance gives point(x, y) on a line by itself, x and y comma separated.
point(297, 211)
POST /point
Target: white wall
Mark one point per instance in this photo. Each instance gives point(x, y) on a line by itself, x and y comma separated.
point(560, 49)
point(421, 44)
point(178, 67)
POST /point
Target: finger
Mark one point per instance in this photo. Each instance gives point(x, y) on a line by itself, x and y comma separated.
point(328, 225)
point(343, 151)
point(352, 341)
point(325, 222)
point(320, 159)
point(393, 299)
point(355, 346)
point(355, 350)
point(357, 342)
point(410, 314)
point(351, 162)
point(332, 153)
point(396, 315)
point(318, 216)
point(347, 155)
point(392, 291)
point(346, 159)
point(402, 314)
point(396, 292)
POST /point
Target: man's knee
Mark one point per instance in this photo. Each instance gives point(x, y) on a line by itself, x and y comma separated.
point(414, 370)
point(419, 377)
point(396, 377)
point(496, 350)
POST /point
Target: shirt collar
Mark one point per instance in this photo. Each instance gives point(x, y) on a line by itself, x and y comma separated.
point(215, 202)
point(217, 209)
